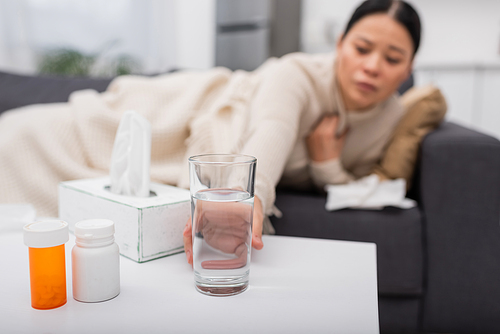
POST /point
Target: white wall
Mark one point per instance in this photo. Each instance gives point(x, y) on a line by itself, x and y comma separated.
point(160, 34)
point(195, 34)
point(322, 22)
point(16, 55)
point(461, 55)
point(460, 31)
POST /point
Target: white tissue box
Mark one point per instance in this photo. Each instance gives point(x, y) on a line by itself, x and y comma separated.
point(146, 228)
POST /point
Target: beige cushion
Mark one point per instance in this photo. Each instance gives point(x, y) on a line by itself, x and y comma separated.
point(425, 109)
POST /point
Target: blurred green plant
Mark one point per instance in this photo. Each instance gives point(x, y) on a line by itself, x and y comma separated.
point(124, 65)
point(70, 62)
point(66, 62)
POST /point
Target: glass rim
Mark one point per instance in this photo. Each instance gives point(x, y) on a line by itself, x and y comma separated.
point(245, 159)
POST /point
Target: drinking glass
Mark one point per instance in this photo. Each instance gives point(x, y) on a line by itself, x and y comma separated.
point(222, 197)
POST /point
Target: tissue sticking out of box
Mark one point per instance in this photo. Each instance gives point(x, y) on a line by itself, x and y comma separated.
point(131, 157)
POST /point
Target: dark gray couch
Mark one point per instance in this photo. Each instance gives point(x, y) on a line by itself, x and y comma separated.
point(438, 264)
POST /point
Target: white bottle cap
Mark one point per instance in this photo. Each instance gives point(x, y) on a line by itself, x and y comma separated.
point(94, 229)
point(46, 233)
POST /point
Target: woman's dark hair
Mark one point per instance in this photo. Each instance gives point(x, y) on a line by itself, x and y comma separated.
point(398, 10)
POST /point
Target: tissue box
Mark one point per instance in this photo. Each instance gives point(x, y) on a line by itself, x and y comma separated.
point(146, 228)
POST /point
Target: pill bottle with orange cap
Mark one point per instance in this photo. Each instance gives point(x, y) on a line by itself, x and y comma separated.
point(47, 262)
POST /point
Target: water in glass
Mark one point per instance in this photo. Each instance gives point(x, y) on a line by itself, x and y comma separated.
point(222, 236)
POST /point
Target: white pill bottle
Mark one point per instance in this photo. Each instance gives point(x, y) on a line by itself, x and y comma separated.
point(95, 261)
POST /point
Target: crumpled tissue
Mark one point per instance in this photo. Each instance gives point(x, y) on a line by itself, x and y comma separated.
point(131, 157)
point(368, 193)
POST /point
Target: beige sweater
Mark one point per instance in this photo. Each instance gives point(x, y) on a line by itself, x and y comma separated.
point(266, 113)
point(295, 92)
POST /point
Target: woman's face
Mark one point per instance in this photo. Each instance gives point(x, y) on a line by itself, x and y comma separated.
point(373, 59)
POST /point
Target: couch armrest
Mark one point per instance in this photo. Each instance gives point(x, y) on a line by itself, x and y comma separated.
point(460, 198)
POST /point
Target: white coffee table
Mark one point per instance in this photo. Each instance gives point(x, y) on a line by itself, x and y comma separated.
point(297, 285)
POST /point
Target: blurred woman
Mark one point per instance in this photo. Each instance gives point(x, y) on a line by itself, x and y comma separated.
point(308, 119)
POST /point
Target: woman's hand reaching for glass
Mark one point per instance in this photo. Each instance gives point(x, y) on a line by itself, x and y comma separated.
point(225, 227)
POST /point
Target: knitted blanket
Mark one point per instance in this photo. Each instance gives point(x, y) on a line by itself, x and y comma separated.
point(42, 145)
point(267, 113)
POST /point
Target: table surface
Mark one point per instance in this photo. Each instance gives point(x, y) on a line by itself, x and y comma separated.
point(297, 285)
